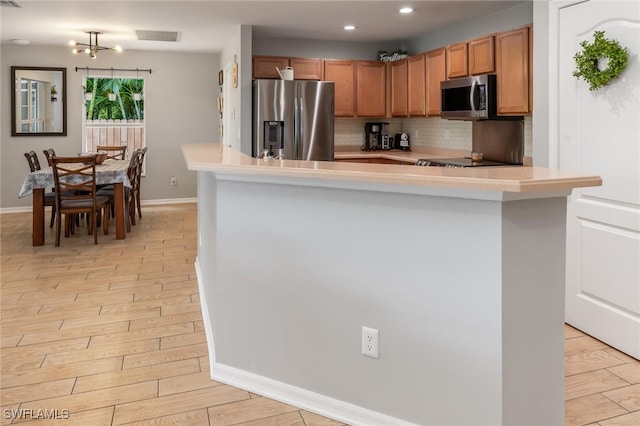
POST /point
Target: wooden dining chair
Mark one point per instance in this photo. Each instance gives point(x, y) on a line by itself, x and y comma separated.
point(49, 197)
point(143, 152)
point(129, 193)
point(116, 152)
point(75, 190)
point(48, 153)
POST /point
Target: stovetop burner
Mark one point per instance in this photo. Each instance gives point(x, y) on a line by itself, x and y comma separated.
point(459, 162)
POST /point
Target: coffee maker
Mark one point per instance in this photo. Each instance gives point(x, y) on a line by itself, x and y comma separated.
point(376, 136)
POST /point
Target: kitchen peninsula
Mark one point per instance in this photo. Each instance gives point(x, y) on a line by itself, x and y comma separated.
point(460, 270)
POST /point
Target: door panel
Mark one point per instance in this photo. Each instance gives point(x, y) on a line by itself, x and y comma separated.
point(598, 133)
point(596, 275)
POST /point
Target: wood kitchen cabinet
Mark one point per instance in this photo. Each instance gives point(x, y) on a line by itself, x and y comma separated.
point(399, 88)
point(306, 68)
point(303, 68)
point(343, 74)
point(371, 89)
point(457, 63)
point(481, 56)
point(265, 66)
point(513, 72)
point(436, 72)
point(417, 82)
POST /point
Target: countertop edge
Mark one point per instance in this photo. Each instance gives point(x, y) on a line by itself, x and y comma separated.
point(214, 157)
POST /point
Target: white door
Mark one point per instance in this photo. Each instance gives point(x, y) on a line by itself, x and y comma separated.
point(599, 133)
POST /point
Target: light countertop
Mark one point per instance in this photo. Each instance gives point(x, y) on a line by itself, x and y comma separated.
point(215, 157)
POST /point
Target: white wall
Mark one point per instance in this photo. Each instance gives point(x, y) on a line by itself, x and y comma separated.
point(541, 84)
point(180, 107)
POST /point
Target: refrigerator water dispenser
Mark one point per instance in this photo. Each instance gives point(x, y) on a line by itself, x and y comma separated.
point(273, 138)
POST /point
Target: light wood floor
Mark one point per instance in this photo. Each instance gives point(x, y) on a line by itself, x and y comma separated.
point(113, 334)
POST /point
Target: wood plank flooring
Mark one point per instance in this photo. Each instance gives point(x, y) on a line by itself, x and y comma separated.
point(112, 335)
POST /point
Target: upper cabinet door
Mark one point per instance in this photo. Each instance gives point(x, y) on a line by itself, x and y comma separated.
point(481, 56)
point(417, 82)
point(343, 74)
point(265, 66)
point(512, 72)
point(436, 72)
point(371, 89)
point(457, 65)
point(399, 88)
point(306, 68)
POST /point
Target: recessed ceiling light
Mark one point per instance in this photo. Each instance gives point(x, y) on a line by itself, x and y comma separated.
point(19, 41)
point(406, 10)
point(349, 27)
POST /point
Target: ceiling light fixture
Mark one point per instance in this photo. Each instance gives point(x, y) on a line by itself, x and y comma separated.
point(349, 27)
point(93, 47)
point(406, 10)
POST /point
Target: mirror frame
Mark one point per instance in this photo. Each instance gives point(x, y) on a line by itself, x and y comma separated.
point(62, 92)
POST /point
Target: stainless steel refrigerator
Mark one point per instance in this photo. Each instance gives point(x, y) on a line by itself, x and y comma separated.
point(293, 119)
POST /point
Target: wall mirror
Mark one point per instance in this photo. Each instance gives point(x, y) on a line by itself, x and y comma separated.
point(38, 101)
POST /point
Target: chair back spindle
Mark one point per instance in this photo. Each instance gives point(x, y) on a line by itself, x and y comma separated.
point(117, 152)
point(32, 158)
point(75, 188)
point(48, 153)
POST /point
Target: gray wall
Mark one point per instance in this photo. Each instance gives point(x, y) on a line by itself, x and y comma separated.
point(513, 17)
point(237, 100)
point(322, 49)
point(180, 108)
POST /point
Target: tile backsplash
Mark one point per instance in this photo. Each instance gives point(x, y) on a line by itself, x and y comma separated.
point(431, 132)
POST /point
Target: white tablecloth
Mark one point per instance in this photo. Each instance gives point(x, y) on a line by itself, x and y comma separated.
point(111, 171)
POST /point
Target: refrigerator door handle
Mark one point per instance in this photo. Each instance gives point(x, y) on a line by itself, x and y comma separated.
point(298, 126)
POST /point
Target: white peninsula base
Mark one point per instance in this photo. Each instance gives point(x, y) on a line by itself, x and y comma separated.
point(466, 288)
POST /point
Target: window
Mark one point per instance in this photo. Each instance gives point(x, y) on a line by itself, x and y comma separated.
point(113, 113)
point(32, 97)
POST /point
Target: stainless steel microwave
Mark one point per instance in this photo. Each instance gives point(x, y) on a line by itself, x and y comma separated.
point(469, 98)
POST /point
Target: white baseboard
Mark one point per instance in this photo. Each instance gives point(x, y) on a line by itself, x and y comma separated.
point(283, 392)
point(169, 201)
point(205, 317)
point(29, 208)
point(302, 398)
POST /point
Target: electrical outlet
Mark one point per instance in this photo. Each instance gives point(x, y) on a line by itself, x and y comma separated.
point(370, 341)
point(446, 133)
point(173, 181)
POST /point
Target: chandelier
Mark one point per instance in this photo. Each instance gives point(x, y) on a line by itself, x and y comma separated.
point(93, 47)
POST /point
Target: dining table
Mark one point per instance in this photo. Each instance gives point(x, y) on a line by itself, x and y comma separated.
point(110, 172)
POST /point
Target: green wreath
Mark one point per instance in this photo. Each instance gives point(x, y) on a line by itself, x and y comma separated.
point(587, 60)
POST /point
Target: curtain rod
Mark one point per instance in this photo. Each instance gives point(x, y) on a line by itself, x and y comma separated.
point(114, 69)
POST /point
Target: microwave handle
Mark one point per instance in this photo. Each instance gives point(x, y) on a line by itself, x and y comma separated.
point(471, 97)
